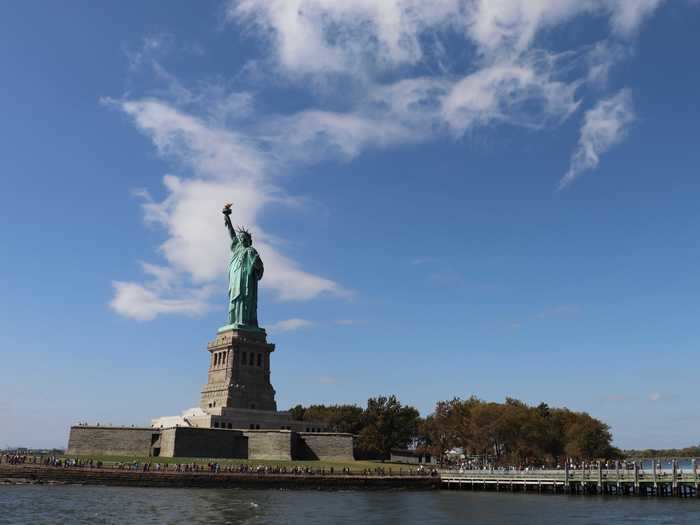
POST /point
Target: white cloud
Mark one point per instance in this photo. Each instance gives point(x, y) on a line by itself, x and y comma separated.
point(162, 294)
point(290, 282)
point(361, 36)
point(628, 15)
point(335, 36)
point(314, 135)
point(210, 152)
point(508, 80)
point(413, 89)
point(603, 126)
point(524, 94)
point(289, 325)
point(654, 397)
point(149, 49)
point(510, 26)
point(145, 302)
point(600, 59)
point(225, 166)
point(505, 27)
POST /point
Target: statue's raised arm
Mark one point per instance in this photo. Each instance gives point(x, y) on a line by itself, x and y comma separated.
point(227, 221)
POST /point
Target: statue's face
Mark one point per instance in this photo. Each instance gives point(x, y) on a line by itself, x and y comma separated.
point(246, 240)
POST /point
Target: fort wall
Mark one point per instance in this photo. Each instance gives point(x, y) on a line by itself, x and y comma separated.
point(112, 441)
point(203, 443)
point(326, 446)
point(193, 442)
point(270, 444)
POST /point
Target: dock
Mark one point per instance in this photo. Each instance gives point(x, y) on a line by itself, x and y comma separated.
point(597, 480)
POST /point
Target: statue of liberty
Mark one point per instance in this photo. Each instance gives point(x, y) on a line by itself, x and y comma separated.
point(245, 269)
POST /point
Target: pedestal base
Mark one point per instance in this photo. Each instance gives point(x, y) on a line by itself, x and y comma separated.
point(229, 327)
point(239, 371)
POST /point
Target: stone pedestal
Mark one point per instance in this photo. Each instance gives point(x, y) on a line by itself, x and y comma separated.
point(239, 371)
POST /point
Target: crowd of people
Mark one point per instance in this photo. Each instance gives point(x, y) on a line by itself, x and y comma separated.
point(460, 465)
point(643, 468)
point(464, 465)
point(48, 461)
point(213, 468)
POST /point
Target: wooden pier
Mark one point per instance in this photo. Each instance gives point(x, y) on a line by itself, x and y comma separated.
point(597, 480)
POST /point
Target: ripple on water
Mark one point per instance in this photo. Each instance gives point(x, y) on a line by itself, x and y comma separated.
point(72, 504)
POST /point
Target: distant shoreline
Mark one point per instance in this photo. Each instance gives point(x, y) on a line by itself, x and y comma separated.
point(38, 474)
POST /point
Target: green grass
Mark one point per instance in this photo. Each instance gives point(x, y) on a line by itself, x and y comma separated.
point(354, 466)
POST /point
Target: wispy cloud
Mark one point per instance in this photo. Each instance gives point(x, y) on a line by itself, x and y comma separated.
point(413, 89)
point(525, 93)
point(150, 48)
point(603, 126)
point(510, 79)
point(289, 325)
point(327, 380)
point(144, 302)
point(654, 397)
point(628, 15)
point(361, 37)
point(225, 165)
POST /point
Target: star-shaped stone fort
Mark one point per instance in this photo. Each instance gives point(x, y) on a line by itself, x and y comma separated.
point(237, 416)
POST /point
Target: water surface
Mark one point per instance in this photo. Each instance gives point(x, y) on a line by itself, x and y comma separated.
point(71, 504)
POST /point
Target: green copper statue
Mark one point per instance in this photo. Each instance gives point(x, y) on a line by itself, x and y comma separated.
point(245, 269)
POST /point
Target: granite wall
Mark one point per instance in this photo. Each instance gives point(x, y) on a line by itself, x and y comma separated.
point(111, 441)
point(269, 444)
point(326, 446)
point(193, 442)
point(187, 442)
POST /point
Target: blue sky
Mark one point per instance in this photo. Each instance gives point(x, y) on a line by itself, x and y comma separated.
point(497, 199)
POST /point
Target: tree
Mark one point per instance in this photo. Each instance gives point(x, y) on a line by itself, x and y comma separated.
point(387, 424)
point(511, 433)
point(588, 438)
point(297, 412)
point(514, 433)
point(338, 418)
point(383, 425)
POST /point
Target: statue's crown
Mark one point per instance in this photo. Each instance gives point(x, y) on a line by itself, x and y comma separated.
point(243, 231)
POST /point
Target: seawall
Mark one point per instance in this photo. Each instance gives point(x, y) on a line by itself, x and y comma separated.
point(133, 478)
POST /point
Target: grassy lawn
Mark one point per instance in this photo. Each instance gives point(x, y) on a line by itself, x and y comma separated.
point(354, 466)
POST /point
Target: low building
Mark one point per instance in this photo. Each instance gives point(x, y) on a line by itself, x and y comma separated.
point(412, 457)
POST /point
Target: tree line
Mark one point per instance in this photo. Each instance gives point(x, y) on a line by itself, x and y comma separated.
point(687, 452)
point(509, 433)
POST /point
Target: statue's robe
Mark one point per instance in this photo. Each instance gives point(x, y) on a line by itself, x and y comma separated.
point(245, 270)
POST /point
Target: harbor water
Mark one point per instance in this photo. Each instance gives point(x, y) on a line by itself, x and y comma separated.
point(75, 504)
